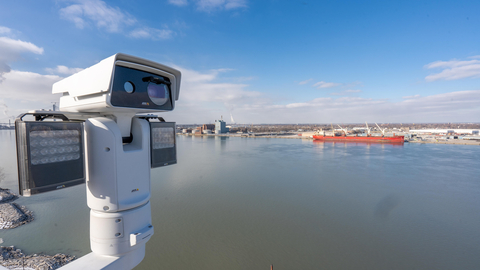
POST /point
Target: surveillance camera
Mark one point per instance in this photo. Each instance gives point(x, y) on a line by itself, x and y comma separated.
point(120, 84)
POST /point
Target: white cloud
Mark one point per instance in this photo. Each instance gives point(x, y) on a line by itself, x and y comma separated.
point(323, 84)
point(112, 19)
point(204, 96)
point(232, 4)
point(23, 91)
point(444, 104)
point(178, 2)
point(5, 30)
point(305, 82)
point(64, 70)
point(197, 86)
point(10, 46)
point(450, 64)
point(454, 70)
point(243, 79)
point(212, 5)
point(449, 107)
point(346, 92)
point(28, 86)
point(98, 12)
point(11, 50)
point(152, 33)
point(140, 33)
point(410, 97)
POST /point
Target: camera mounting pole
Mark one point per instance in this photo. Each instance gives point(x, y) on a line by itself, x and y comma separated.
point(118, 194)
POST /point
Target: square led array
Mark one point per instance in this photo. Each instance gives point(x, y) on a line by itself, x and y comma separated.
point(50, 146)
point(163, 137)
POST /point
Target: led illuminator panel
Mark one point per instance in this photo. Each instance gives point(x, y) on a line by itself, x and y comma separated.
point(162, 140)
point(50, 155)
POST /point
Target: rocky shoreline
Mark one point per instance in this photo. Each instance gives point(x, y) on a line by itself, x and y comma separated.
point(7, 196)
point(13, 258)
point(12, 215)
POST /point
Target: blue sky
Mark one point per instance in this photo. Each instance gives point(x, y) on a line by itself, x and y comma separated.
point(259, 61)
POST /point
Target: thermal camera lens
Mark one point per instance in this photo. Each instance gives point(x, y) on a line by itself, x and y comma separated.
point(129, 87)
point(158, 93)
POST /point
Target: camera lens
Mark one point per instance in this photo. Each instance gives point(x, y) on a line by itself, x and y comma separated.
point(129, 87)
point(158, 93)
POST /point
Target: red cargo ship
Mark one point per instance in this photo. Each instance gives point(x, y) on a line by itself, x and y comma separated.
point(356, 138)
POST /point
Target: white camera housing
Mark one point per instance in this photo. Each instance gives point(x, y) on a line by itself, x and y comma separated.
point(120, 84)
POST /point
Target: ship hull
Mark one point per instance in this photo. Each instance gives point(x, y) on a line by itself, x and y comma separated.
point(394, 139)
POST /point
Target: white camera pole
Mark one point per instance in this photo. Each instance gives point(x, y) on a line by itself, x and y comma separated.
point(118, 194)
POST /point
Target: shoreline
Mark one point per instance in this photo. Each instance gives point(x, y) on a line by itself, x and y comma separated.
point(449, 141)
point(460, 142)
point(12, 215)
point(13, 258)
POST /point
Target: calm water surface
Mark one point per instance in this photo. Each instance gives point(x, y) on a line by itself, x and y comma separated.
point(245, 203)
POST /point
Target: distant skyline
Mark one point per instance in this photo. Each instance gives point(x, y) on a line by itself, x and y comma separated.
point(259, 61)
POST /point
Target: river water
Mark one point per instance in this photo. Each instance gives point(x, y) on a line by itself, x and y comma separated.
point(247, 203)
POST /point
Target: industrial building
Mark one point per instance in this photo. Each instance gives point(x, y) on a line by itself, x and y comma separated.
point(445, 131)
point(210, 127)
point(220, 127)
